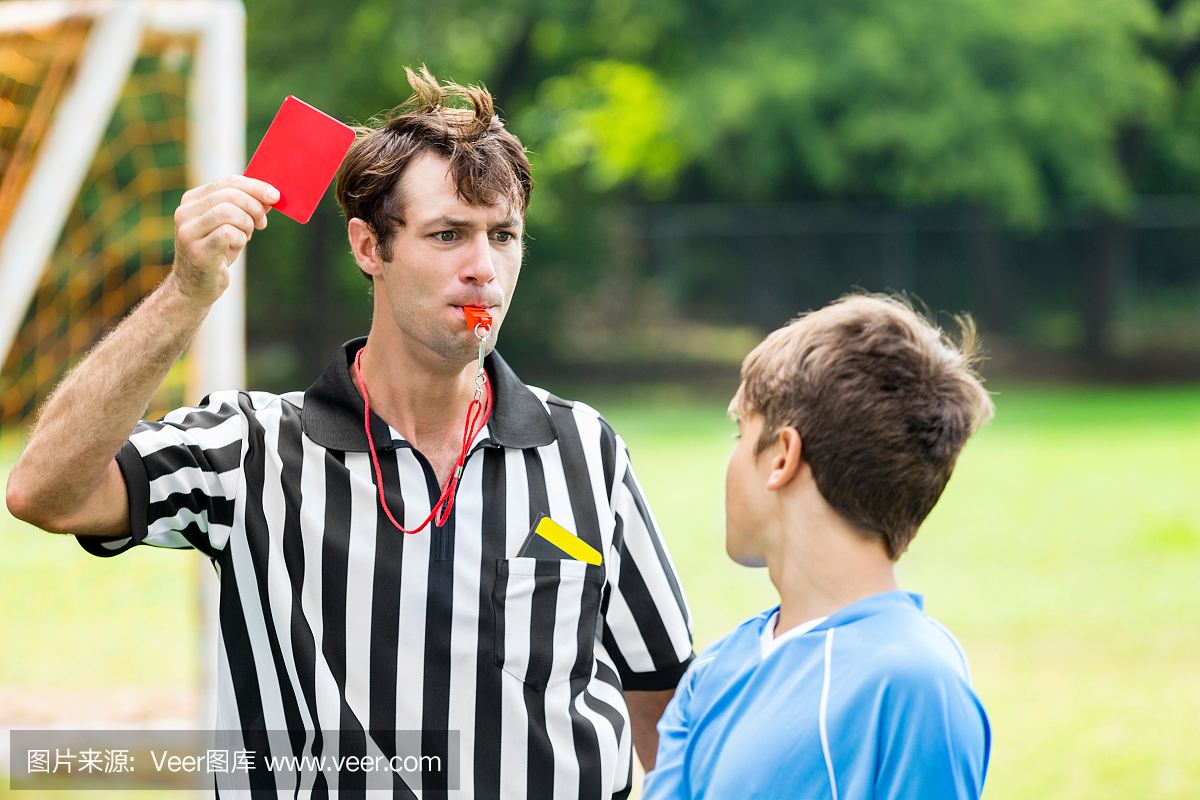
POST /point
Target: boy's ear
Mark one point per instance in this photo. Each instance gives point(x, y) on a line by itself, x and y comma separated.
point(786, 454)
point(364, 246)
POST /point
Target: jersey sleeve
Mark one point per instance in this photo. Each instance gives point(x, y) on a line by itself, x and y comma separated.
point(935, 739)
point(182, 475)
point(647, 627)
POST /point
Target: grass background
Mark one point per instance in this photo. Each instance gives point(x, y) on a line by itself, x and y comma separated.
point(1065, 556)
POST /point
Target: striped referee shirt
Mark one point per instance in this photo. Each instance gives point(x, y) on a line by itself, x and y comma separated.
point(334, 625)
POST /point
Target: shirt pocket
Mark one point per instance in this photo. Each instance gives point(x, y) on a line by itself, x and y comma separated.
point(546, 612)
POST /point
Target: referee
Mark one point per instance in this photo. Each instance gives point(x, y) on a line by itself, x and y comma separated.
point(533, 668)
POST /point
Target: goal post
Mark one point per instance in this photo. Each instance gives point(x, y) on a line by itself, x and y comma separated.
point(109, 111)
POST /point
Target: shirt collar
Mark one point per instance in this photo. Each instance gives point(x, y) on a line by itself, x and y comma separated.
point(768, 642)
point(870, 606)
point(333, 409)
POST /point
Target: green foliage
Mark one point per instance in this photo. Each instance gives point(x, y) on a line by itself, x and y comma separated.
point(1027, 107)
point(613, 120)
point(1015, 104)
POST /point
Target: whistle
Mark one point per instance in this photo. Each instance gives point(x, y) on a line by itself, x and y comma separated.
point(476, 317)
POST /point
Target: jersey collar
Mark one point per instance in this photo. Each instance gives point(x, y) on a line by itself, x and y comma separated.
point(870, 606)
point(333, 409)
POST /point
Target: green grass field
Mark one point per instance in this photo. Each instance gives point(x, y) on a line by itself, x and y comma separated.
point(1064, 555)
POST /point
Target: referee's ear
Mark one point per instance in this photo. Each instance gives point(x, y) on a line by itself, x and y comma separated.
point(364, 246)
point(786, 455)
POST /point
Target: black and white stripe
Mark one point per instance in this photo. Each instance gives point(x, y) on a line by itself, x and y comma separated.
point(339, 629)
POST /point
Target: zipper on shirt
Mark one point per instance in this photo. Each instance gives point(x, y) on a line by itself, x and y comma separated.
point(441, 536)
point(441, 544)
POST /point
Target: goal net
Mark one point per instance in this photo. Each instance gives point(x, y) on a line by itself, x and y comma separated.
point(109, 111)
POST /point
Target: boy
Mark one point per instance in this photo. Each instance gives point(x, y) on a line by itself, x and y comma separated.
point(850, 420)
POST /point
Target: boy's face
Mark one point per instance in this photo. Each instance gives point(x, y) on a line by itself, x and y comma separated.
point(746, 495)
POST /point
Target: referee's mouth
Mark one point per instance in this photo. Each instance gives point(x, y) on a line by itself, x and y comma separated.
point(495, 311)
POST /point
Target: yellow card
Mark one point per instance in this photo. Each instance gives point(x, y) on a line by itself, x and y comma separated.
point(566, 541)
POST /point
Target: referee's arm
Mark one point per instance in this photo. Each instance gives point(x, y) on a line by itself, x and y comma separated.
point(67, 478)
point(645, 710)
point(647, 624)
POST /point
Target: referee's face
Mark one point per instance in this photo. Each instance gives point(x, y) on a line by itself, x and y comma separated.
point(445, 255)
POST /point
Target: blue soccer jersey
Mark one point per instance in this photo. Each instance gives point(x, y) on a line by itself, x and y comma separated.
point(873, 701)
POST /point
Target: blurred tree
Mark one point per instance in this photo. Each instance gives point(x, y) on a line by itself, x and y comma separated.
point(1020, 108)
point(1159, 153)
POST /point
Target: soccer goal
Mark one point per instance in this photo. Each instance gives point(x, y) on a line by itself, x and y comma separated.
point(109, 111)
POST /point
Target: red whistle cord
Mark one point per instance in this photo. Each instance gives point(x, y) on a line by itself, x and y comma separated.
point(478, 414)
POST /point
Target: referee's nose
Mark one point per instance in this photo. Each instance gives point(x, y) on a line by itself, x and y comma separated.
point(479, 266)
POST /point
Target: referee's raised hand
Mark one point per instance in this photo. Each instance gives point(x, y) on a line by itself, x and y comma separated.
point(67, 478)
point(213, 223)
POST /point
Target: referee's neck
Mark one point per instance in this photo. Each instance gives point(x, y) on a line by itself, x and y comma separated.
point(415, 391)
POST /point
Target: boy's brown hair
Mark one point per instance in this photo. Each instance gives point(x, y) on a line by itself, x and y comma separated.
point(487, 163)
point(883, 401)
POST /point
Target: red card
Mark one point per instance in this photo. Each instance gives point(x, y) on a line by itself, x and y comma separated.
point(299, 155)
